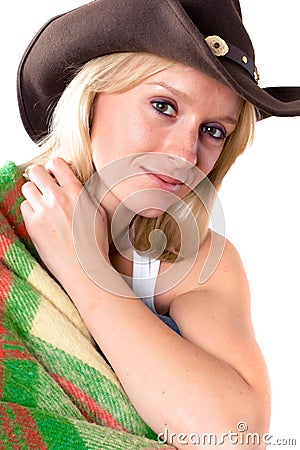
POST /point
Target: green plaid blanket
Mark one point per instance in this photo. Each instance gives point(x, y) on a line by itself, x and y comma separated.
point(56, 390)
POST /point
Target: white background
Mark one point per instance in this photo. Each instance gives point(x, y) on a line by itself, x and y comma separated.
point(260, 195)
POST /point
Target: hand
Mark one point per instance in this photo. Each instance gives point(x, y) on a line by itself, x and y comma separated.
point(51, 197)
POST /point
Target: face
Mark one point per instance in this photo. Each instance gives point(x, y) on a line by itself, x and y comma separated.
point(161, 137)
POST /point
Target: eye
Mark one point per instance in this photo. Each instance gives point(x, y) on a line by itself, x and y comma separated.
point(214, 131)
point(164, 107)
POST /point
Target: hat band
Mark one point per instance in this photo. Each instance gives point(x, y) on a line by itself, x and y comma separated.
point(220, 48)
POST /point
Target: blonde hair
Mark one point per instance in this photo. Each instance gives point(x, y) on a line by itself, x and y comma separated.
point(69, 138)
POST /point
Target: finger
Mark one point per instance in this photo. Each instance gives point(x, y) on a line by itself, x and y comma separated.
point(26, 209)
point(32, 194)
point(41, 178)
point(62, 172)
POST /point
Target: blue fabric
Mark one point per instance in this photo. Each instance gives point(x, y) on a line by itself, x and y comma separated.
point(170, 322)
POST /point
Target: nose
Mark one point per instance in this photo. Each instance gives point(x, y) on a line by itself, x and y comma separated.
point(183, 143)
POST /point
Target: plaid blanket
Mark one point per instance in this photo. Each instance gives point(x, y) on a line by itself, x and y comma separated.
point(56, 390)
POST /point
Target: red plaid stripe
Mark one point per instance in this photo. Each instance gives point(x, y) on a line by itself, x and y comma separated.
point(87, 405)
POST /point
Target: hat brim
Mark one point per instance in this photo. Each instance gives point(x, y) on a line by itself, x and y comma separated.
point(98, 28)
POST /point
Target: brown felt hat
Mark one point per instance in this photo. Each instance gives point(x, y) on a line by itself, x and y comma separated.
point(206, 34)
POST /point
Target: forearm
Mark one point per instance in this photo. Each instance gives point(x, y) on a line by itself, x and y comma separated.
point(172, 383)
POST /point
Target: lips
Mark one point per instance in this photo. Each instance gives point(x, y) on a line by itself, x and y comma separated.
point(164, 182)
point(167, 179)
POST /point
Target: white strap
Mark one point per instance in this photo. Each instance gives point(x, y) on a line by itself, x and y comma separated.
point(144, 276)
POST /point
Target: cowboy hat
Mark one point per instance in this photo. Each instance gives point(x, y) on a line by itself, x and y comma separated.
point(206, 35)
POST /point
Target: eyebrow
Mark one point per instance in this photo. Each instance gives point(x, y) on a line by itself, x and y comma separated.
point(170, 88)
point(227, 118)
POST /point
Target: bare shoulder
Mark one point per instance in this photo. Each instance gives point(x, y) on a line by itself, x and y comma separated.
point(229, 274)
point(218, 267)
point(226, 287)
point(215, 316)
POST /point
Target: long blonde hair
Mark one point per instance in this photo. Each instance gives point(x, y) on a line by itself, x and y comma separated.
point(69, 138)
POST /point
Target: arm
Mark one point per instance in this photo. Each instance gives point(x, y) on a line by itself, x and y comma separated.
point(205, 381)
point(209, 379)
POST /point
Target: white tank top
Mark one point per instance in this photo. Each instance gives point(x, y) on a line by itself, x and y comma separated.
point(144, 277)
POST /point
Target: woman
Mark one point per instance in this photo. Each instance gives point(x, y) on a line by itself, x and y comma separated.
point(156, 135)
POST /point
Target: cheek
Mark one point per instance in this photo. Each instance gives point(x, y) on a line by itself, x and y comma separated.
point(122, 136)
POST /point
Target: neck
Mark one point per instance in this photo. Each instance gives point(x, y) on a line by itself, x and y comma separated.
point(118, 220)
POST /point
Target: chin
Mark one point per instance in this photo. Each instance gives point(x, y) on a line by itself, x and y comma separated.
point(149, 202)
point(151, 213)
